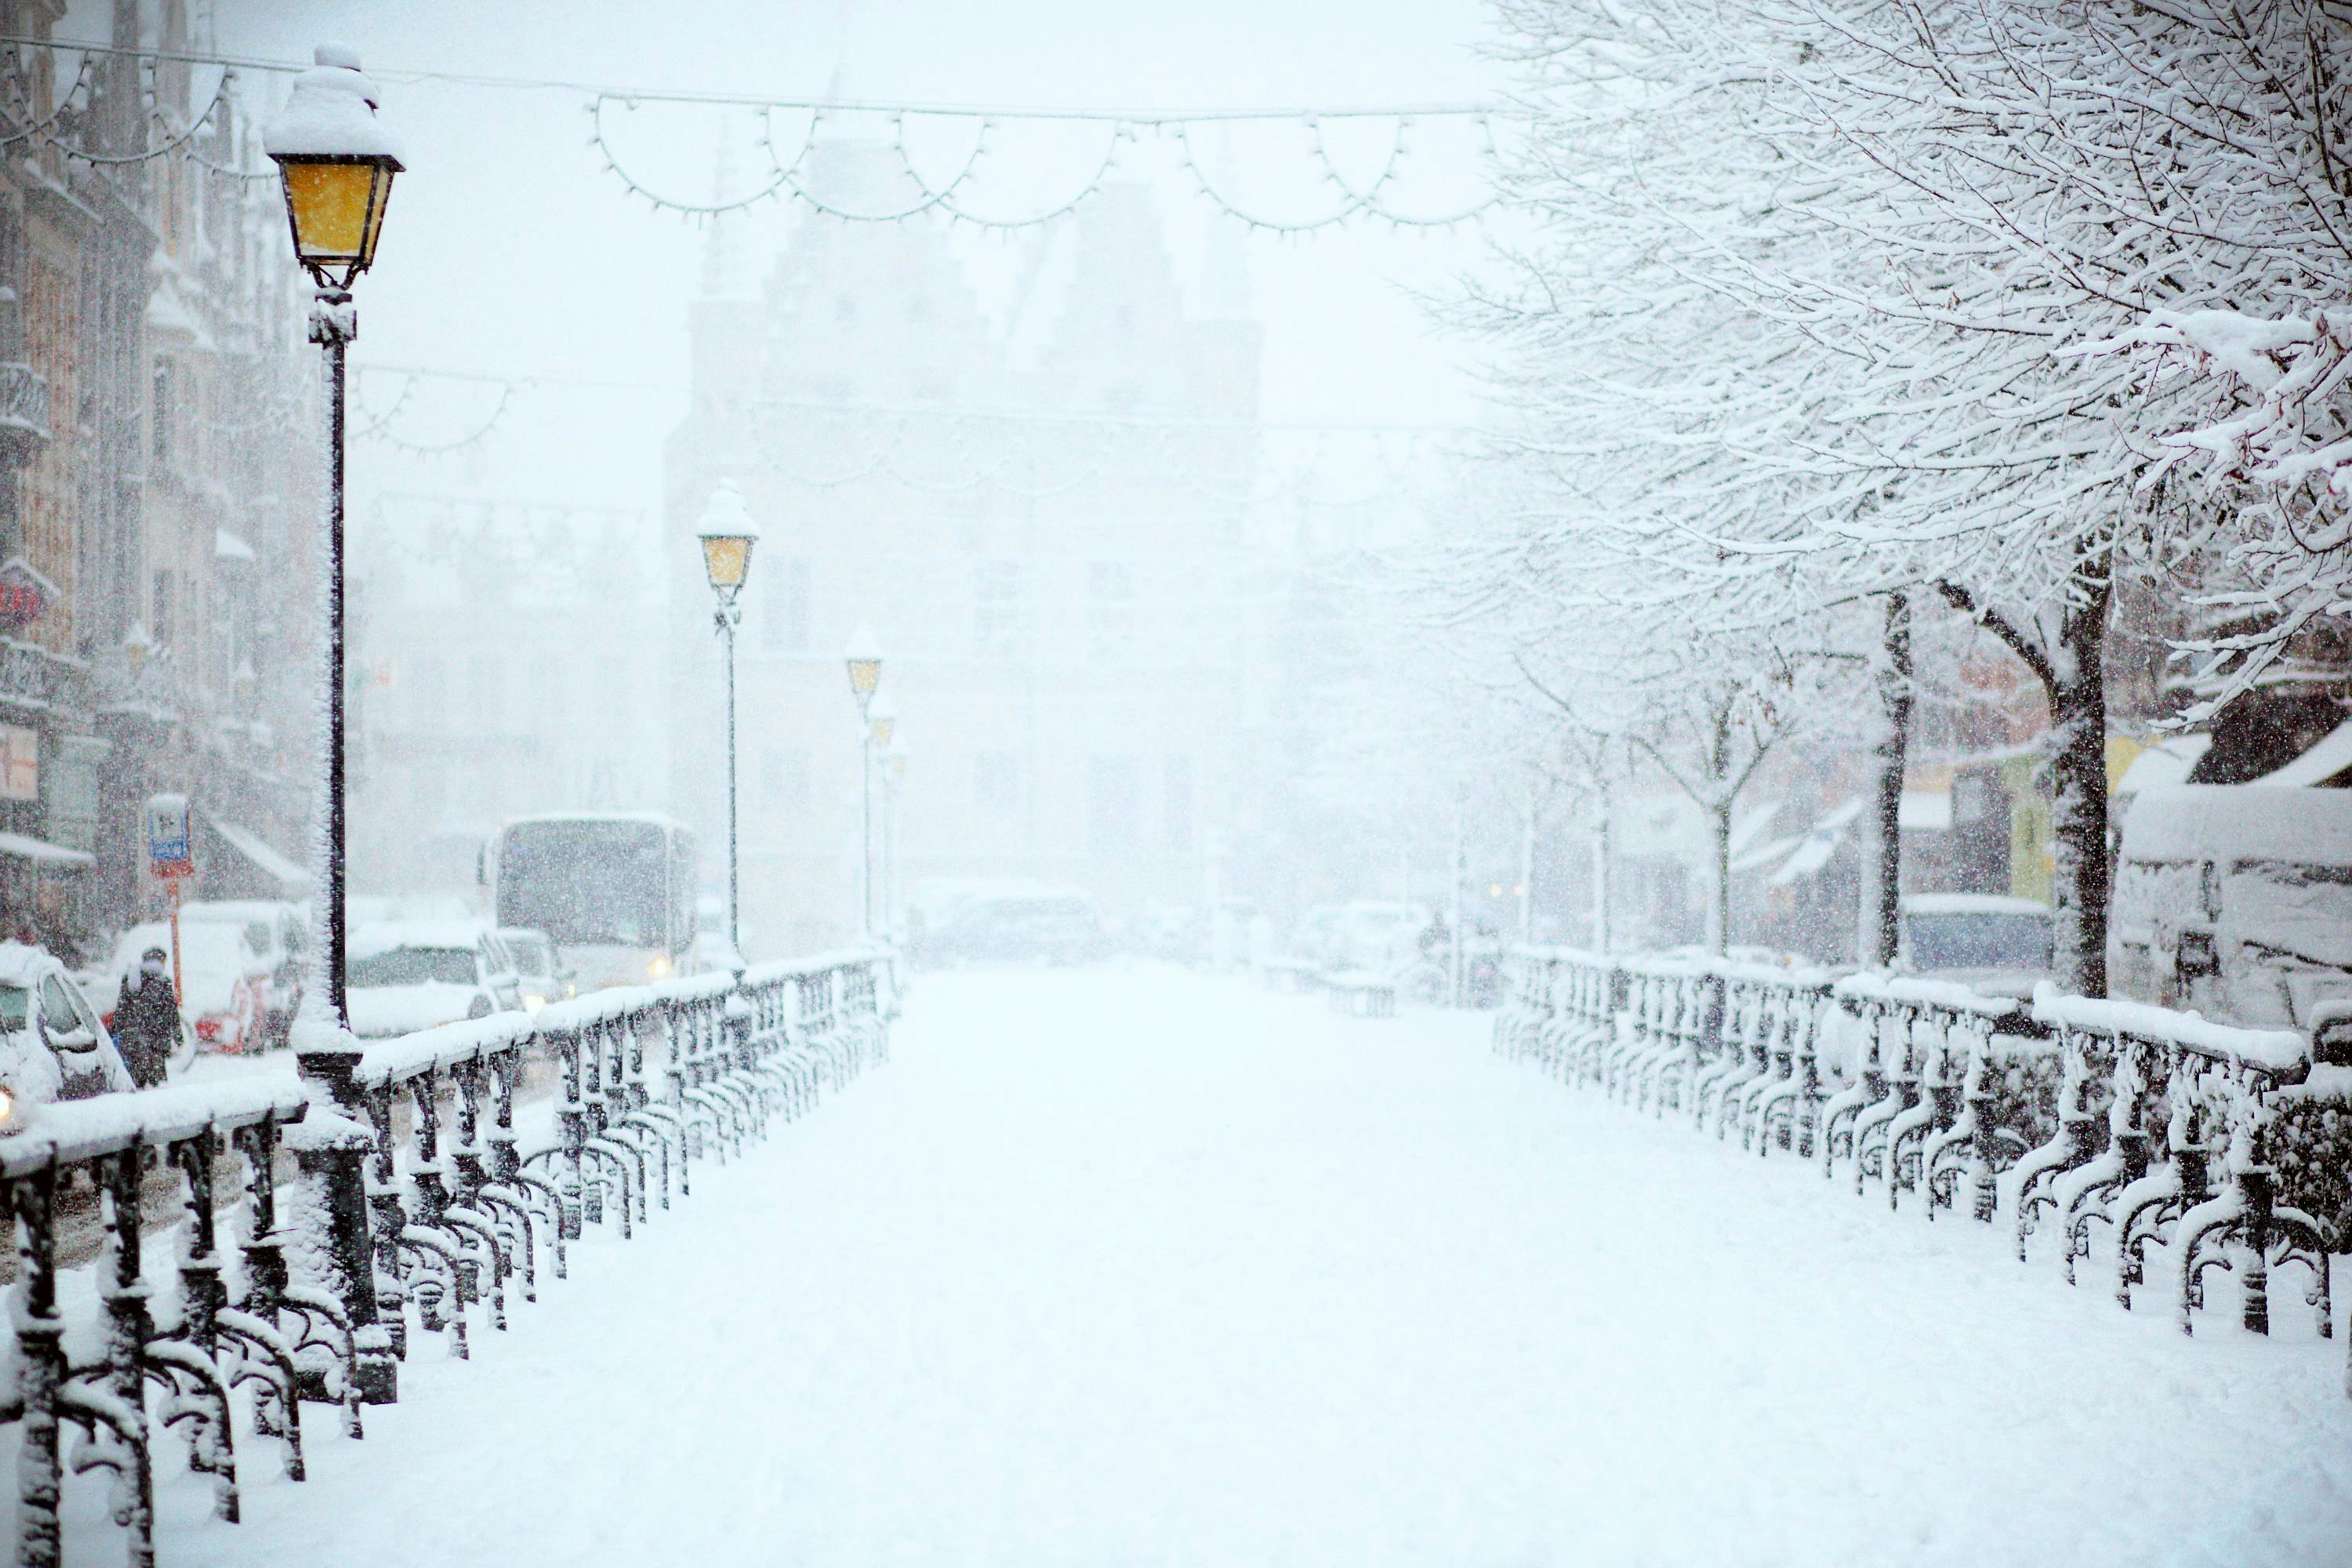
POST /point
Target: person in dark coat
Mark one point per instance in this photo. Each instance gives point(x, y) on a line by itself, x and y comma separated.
point(147, 1021)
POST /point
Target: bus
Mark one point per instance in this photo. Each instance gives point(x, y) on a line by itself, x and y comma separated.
point(614, 889)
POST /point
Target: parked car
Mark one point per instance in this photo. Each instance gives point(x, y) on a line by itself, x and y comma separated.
point(2234, 901)
point(541, 974)
point(280, 932)
point(1996, 944)
point(224, 980)
point(407, 976)
point(1379, 936)
point(1043, 928)
point(52, 1044)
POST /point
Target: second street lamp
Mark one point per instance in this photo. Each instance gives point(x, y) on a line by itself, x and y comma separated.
point(864, 661)
point(882, 723)
point(727, 534)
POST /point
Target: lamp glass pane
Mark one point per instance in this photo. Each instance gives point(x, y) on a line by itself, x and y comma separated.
point(882, 727)
point(864, 675)
point(333, 206)
point(727, 558)
point(382, 198)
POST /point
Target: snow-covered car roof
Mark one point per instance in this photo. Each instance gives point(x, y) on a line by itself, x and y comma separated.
point(222, 909)
point(393, 935)
point(1971, 904)
point(651, 818)
point(2298, 827)
point(23, 965)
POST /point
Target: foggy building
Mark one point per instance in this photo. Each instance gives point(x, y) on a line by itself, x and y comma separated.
point(1042, 516)
point(508, 661)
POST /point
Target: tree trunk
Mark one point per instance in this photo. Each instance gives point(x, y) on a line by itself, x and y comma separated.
point(1601, 874)
point(1882, 891)
point(2078, 713)
point(1719, 909)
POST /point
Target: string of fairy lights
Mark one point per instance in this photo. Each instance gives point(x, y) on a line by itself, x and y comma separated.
point(1019, 454)
point(1347, 199)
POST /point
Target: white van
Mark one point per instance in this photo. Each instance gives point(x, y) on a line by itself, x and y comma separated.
point(2234, 901)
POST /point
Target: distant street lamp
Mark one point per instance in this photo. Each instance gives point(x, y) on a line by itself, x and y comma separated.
point(881, 723)
point(727, 534)
point(864, 660)
point(337, 161)
point(894, 830)
point(136, 645)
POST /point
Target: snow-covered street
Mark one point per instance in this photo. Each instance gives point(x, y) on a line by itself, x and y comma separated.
point(1134, 1267)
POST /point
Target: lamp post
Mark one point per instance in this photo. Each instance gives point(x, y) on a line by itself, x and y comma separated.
point(894, 830)
point(881, 723)
point(864, 660)
point(727, 534)
point(337, 161)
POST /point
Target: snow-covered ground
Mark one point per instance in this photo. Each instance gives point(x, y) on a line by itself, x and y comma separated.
point(1139, 1267)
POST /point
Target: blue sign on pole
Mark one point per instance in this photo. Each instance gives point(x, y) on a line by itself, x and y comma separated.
point(169, 852)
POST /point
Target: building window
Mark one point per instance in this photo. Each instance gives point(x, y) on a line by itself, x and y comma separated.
point(425, 693)
point(784, 777)
point(1110, 598)
point(997, 623)
point(1176, 802)
point(488, 687)
point(1110, 804)
point(788, 607)
point(996, 783)
point(163, 413)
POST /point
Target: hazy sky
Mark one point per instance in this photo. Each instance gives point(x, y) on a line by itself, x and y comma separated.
point(510, 250)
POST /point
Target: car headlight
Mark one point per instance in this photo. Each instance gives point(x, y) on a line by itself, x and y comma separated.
point(532, 1002)
point(658, 969)
point(7, 1106)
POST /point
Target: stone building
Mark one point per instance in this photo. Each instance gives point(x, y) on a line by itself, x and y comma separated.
point(1040, 511)
point(160, 466)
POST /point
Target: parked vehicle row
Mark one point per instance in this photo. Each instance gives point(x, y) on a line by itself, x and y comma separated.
point(406, 975)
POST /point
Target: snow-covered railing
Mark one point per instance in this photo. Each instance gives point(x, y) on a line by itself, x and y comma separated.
point(2162, 1131)
point(392, 1223)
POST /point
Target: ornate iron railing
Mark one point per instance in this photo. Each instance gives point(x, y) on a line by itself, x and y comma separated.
point(2073, 1120)
point(433, 1211)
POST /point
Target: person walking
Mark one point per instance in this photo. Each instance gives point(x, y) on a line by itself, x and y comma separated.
point(147, 1021)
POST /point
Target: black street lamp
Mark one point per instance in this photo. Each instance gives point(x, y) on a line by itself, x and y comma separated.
point(727, 534)
point(337, 161)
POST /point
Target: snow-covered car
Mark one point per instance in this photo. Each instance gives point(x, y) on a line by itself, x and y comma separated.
point(541, 974)
point(1042, 927)
point(1999, 945)
point(52, 1044)
point(407, 976)
point(1379, 936)
point(2235, 901)
point(280, 932)
point(223, 979)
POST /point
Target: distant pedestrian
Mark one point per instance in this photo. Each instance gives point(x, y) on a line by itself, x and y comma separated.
point(147, 1021)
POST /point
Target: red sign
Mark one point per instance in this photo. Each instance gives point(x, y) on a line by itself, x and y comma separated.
point(25, 594)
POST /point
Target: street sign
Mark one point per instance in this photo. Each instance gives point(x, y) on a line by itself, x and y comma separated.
point(25, 594)
point(169, 851)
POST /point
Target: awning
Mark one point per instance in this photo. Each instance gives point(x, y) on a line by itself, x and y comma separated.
point(52, 856)
point(292, 880)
